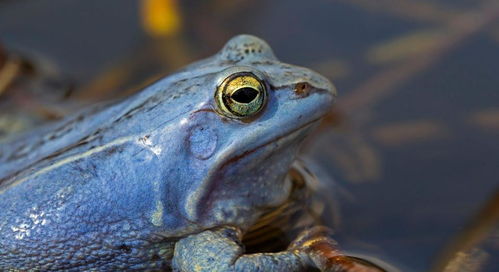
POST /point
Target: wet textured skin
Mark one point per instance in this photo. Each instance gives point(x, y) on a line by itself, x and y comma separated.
point(128, 185)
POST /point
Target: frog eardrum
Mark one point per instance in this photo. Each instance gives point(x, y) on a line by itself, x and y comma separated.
point(241, 95)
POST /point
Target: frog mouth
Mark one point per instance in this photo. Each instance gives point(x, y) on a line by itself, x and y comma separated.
point(280, 138)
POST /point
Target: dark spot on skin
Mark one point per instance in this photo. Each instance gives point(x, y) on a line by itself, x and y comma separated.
point(98, 131)
point(181, 81)
point(132, 111)
point(125, 248)
point(263, 62)
point(188, 89)
point(145, 106)
point(110, 151)
point(93, 168)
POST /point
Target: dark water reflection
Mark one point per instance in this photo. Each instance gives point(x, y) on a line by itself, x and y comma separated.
point(412, 143)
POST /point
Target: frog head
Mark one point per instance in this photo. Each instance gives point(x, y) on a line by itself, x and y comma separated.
point(246, 115)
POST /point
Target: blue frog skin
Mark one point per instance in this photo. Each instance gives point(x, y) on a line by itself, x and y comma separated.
point(167, 179)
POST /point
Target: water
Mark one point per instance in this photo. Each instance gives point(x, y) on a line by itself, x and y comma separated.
point(411, 144)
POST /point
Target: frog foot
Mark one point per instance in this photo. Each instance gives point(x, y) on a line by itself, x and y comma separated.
point(221, 250)
point(323, 253)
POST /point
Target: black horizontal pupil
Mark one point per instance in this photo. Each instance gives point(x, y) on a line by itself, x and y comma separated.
point(244, 95)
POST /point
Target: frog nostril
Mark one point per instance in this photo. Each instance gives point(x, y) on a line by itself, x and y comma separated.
point(244, 95)
point(303, 89)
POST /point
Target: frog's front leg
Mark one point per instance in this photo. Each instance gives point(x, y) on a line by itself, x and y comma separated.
point(221, 250)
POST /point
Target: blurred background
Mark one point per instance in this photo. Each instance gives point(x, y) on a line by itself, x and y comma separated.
point(412, 143)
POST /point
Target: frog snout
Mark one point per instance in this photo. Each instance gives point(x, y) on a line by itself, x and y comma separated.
point(304, 89)
point(322, 84)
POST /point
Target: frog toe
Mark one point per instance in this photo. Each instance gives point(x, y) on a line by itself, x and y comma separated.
point(323, 252)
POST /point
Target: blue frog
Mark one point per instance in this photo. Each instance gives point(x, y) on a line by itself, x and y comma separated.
point(167, 179)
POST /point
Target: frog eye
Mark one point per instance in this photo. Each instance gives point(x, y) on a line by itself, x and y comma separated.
point(241, 95)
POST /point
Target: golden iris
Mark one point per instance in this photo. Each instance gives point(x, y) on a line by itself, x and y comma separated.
point(241, 95)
